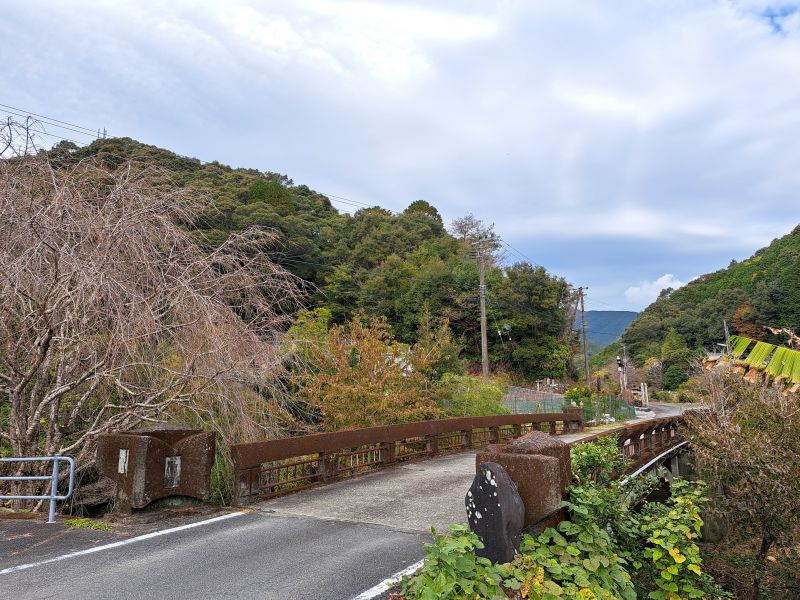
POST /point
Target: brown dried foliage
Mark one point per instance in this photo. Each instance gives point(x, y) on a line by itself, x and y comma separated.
point(747, 446)
point(111, 314)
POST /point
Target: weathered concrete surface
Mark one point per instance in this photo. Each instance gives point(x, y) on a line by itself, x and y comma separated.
point(410, 497)
point(532, 475)
point(136, 461)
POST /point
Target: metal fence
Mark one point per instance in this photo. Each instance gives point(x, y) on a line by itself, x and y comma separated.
point(520, 400)
point(596, 408)
point(53, 496)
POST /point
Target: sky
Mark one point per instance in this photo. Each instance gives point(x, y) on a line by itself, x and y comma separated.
point(626, 145)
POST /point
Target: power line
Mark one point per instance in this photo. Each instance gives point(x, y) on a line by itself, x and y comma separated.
point(36, 132)
point(43, 122)
point(33, 114)
point(345, 200)
point(517, 252)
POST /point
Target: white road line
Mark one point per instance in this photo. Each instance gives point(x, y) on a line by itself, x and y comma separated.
point(133, 540)
point(384, 585)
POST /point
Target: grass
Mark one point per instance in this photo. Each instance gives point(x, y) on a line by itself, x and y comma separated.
point(83, 523)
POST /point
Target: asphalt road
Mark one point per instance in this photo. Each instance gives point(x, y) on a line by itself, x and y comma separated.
point(256, 555)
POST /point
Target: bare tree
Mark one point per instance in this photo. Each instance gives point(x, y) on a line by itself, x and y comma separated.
point(479, 237)
point(19, 138)
point(111, 314)
point(747, 445)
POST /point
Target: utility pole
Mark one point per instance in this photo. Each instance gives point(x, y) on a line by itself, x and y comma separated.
point(727, 336)
point(624, 367)
point(482, 290)
point(585, 341)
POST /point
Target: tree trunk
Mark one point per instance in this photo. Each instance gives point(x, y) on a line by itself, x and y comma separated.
point(761, 563)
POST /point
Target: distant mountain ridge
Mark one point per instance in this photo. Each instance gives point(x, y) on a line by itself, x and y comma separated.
point(605, 326)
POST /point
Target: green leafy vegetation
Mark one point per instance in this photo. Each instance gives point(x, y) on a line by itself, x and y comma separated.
point(473, 396)
point(674, 376)
point(83, 523)
point(599, 461)
point(615, 545)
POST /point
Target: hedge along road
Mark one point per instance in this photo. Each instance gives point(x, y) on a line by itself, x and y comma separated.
point(331, 542)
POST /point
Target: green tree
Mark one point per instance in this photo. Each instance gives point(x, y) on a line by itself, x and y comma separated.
point(674, 351)
point(674, 376)
point(531, 302)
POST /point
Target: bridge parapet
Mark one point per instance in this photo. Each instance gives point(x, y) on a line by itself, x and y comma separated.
point(541, 471)
point(642, 441)
point(275, 467)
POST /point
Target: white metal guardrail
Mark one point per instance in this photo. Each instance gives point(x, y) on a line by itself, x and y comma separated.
point(53, 496)
point(671, 451)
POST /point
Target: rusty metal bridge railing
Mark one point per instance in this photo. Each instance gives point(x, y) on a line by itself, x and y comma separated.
point(275, 467)
point(644, 441)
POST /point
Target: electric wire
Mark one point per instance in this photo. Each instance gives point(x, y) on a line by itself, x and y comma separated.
point(43, 122)
point(33, 114)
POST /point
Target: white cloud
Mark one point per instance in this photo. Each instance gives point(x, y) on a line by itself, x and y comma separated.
point(647, 291)
point(663, 132)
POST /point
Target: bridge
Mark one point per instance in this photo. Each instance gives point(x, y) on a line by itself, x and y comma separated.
point(338, 535)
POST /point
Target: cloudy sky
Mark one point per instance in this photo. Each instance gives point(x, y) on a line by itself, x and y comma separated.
point(626, 145)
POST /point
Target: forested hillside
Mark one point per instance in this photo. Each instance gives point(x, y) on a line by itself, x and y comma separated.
point(404, 266)
point(762, 291)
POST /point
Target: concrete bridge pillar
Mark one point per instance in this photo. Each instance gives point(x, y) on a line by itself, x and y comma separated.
point(673, 466)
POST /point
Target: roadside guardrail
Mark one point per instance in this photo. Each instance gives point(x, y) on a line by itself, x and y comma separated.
point(53, 496)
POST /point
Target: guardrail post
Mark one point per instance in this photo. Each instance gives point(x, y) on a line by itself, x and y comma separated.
point(432, 444)
point(328, 466)
point(53, 490)
point(494, 434)
point(466, 438)
point(387, 452)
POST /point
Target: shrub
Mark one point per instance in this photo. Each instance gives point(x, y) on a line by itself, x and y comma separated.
point(473, 396)
point(748, 444)
point(598, 461)
point(613, 532)
point(672, 564)
point(662, 396)
point(452, 571)
point(674, 376)
point(578, 393)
